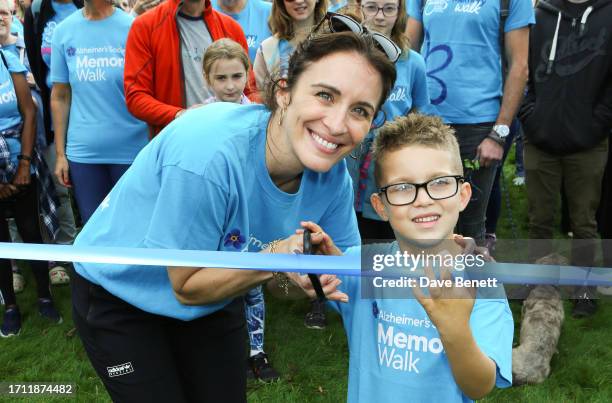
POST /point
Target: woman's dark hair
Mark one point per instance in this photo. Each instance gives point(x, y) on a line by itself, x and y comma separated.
point(316, 48)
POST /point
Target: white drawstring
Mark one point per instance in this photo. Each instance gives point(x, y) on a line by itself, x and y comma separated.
point(553, 47)
point(583, 20)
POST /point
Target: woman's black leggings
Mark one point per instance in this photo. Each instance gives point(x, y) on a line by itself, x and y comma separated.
point(24, 208)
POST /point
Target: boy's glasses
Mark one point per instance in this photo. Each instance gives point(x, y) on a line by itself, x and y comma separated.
point(371, 10)
point(343, 23)
point(402, 194)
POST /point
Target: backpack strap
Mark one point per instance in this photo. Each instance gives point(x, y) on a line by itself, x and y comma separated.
point(35, 8)
point(4, 60)
point(504, 12)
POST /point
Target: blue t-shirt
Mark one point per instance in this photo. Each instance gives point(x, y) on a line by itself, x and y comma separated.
point(89, 55)
point(333, 8)
point(461, 51)
point(395, 351)
point(409, 91)
point(16, 27)
point(198, 190)
point(254, 22)
point(9, 107)
point(62, 10)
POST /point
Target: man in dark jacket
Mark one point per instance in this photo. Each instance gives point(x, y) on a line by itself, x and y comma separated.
point(567, 116)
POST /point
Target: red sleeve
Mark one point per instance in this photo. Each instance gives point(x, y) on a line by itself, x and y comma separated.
point(138, 78)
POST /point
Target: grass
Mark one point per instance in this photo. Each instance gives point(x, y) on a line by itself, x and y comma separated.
point(314, 364)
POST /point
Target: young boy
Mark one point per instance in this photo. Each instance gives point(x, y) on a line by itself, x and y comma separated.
point(448, 346)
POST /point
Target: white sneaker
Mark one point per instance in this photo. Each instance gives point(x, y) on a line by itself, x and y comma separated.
point(519, 181)
point(18, 282)
point(58, 275)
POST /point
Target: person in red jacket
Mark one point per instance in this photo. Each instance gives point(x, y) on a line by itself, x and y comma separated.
point(163, 59)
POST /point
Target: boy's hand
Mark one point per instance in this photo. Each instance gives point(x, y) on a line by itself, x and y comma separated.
point(449, 307)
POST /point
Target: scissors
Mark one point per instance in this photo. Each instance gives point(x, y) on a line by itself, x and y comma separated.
point(314, 279)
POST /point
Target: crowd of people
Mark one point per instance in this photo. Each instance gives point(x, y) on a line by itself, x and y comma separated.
point(229, 125)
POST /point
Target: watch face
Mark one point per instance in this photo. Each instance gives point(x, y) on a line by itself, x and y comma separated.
point(502, 130)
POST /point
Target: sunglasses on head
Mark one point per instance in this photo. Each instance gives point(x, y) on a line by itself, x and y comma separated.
point(343, 23)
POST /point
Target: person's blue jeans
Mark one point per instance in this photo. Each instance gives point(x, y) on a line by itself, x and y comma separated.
point(91, 183)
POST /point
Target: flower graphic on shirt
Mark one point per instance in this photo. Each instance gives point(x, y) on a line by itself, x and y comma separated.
point(234, 238)
point(71, 51)
point(375, 309)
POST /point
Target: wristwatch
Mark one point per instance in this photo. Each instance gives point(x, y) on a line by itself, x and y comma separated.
point(499, 134)
point(502, 130)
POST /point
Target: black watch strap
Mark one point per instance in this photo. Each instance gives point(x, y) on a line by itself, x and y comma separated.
point(495, 137)
point(24, 157)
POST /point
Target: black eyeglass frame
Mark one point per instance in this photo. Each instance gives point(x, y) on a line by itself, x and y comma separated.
point(458, 179)
point(380, 9)
point(379, 38)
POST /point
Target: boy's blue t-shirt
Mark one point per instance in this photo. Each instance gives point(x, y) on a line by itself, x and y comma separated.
point(89, 55)
point(395, 351)
point(461, 50)
point(202, 184)
point(410, 91)
point(62, 10)
point(254, 22)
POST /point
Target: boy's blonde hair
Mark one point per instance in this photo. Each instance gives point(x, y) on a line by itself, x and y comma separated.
point(415, 130)
point(224, 48)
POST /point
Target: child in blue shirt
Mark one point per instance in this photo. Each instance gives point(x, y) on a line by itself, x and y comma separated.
point(448, 346)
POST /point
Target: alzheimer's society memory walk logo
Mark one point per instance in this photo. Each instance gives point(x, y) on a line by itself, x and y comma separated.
point(7, 96)
point(93, 64)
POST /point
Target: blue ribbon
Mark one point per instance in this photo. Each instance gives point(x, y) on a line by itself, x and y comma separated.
point(507, 273)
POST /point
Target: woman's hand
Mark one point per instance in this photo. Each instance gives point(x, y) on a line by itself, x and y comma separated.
point(22, 177)
point(322, 244)
point(61, 171)
point(329, 283)
point(7, 190)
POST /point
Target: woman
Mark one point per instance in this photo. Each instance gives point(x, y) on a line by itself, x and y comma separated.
point(96, 138)
point(38, 31)
point(57, 273)
point(241, 191)
point(40, 20)
point(409, 93)
point(21, 172)
point(290, 23)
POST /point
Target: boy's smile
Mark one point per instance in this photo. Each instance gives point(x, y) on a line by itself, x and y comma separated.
point(426, 220)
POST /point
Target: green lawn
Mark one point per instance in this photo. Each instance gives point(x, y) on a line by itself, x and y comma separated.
point(313, 363)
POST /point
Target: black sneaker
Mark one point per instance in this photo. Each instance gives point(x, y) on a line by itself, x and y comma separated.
point(315, 319)
point(11, 326)
point(584, 307)
point(261, 368)
point(47, 310)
